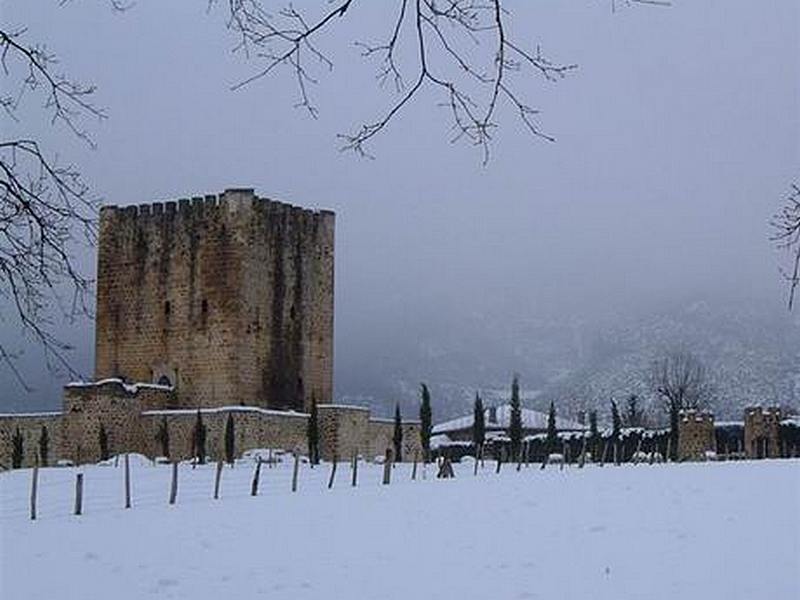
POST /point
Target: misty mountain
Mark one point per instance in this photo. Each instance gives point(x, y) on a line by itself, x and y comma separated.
point(750, 351)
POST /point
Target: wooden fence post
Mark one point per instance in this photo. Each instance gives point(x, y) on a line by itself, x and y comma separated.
point(127, 482)
point(333, 470)
point(355, 468)
point(79, 494)
point(295, 470)
point(387, 467)
point(217, 479)
point(564, 454)
point(478, 456)
point(499, 461)
point(669, 449)
point(256, 476)
point(582, 459)
point(173, 488)
point(34, 484)
point(414, 467)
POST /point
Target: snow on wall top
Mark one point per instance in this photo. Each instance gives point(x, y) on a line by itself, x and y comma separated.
point(531, 419)
point(131, 388)
point(224, 409)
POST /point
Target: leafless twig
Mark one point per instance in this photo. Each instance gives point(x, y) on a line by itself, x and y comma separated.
point(786, 235)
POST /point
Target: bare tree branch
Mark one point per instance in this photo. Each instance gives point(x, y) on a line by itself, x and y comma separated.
point(786, 235)
point(45, 207)
point(438, 29)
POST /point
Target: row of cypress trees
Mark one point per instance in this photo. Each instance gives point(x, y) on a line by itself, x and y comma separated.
point(18, 448)
point(200, 433)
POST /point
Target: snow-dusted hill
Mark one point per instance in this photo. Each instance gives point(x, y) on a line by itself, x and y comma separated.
point(751, 350)
point(655, 532)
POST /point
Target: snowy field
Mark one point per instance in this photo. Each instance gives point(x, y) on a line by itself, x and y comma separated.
point(727, 530)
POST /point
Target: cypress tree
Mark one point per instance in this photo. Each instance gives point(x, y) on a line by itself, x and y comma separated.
point(398, 435)
point(552, 431)
point(478, 424)
point(312, 433)
point(17, 450)
point(200, 439)
point(102, 442)
point(616, 426)
point(44, 446)
point(162, 437)
point(426, 423)
point(616, 421)
point(515, 422)
point(230, 440)
point(594, 434)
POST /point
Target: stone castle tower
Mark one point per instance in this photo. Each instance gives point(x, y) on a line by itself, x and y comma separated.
point(229, 299)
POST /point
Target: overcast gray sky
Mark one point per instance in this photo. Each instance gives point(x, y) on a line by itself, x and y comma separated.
point(676, 139)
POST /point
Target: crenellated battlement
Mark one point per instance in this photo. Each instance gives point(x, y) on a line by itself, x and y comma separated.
point(696, 416)
point(232, 199)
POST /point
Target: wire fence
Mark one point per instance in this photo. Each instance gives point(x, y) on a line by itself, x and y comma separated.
point(104, 485)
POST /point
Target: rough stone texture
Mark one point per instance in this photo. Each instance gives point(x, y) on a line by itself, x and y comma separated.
point(762, 431)
point(30, 427)
point(229, 299)
point(253, 428)
point(133, 413)
point(115, 406)
point(381, 437)
point(695, 435)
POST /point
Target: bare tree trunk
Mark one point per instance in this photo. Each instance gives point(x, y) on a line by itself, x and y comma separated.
point(414, 467)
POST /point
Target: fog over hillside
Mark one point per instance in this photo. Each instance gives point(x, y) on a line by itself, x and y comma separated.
point(573, 263)
point(749, 347)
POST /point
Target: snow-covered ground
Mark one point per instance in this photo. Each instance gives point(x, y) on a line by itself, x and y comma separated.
point(728, 530)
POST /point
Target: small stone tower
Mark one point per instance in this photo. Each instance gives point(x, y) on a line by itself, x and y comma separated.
point(762, 431)
point(229, 299)
point(695, 434)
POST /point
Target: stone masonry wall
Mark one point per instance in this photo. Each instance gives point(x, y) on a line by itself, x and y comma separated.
point(762, 431)
point(695, 435)
point(253, 428)
point(30, 427)
point(116, 407)
point(229, 299)
point(381, 437)
point(132, 415)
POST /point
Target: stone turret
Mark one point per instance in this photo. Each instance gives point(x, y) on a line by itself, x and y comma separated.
point(695, 434)
point(762, 431)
